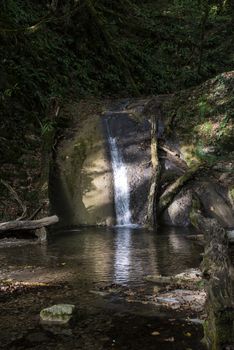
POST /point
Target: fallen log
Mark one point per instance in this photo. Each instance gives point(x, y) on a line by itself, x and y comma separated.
point(167, 197)
point(30, 225)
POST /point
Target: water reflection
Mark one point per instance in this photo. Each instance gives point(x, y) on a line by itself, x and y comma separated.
point(135, 255)
point(122, 255)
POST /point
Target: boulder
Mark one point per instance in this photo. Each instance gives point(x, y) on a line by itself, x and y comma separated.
point(215, 203)
point(177, 214)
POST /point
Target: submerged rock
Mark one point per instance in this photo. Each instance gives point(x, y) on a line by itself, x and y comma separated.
point(193, 300)
point(59, 314)
point(189, 277)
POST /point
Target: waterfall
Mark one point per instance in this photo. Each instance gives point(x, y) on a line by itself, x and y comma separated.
point(121, 189)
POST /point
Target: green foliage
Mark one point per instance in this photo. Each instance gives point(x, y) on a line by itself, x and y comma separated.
point(203, 119)
point(204, 108)
point(104, 48)
point(47, 127)
point(201, 154)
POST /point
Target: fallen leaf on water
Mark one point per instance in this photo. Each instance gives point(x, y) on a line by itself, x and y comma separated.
point(155, 333)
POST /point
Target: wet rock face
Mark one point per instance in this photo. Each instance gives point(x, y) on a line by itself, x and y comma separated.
point(82, 187)
point(177, 214)
point(81, 190)
point(215, 204)
point(213, 199)
point(133, 139)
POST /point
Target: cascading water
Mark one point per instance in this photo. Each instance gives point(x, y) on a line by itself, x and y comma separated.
point(121, 189)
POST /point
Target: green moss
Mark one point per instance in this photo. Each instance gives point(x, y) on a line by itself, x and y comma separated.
point(203, 107)
point(193, 217)
point(189, 154)
point(218, 328)
point(231, 194)
point(200, 284)
point(202, 119)
point(224, 328)
point(79, 152)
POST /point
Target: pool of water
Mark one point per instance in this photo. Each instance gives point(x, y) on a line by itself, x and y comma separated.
point(120, 255)
point(89, 258)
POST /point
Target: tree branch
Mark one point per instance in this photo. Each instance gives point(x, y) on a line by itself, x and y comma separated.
point(16, 197)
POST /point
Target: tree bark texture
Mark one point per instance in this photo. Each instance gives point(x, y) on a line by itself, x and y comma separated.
point(172, 190)
point(150, 220)
point(218, 270)
point(28, 224)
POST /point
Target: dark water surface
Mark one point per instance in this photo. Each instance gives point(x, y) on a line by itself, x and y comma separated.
point(93, 260)
point(125, 255)
point(120, 255)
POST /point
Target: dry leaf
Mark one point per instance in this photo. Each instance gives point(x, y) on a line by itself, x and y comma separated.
point(155, 333)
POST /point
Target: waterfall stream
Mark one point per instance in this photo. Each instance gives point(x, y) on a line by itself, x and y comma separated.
point(121, 188)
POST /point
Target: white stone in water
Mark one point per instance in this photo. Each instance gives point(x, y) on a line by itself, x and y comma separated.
point(57, 314)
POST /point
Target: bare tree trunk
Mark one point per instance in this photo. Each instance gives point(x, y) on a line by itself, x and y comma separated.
point(150, 219)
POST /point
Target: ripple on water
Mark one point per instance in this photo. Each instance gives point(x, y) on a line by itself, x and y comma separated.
point(122, 255)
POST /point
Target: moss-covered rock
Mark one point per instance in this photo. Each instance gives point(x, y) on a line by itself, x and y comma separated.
point(59, 314)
